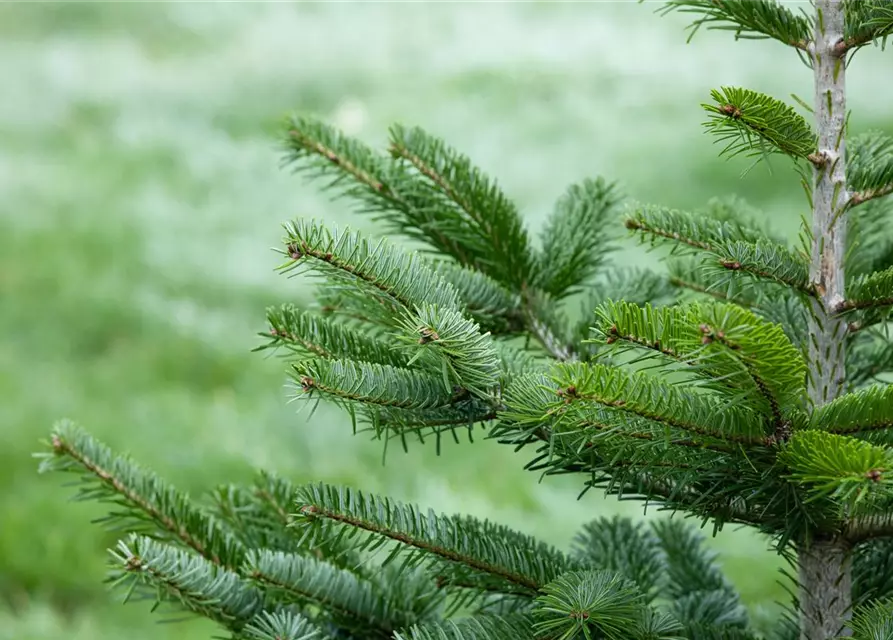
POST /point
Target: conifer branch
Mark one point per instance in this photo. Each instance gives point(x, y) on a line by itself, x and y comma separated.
point(310, 336)
point(867, 361)
point(353, 311)
point(645, 396)
point(633, 284)
point(870, 170)
point(281, 625)
point(492, 305)
point(491, 605)
point(779, 305)
point(697, 285)
point(859, 413)
point(753, 123)
point(866, 21)
point(873, 291)
point(466, 356)
point(258, 516)
point(346, 382)
point(726, 346)
point(353, 603)
point(404, 419)
point(276, 494)
point(736, 248)
point(400, 276)
point(513, 559)
point(698, 428)
point(869, 245)
point(836, 466)
point(873, 620)
point(308, 138)
point(190, 580)
point(385, 188)
point(149, 504)
point(645, 227)
point(580, 438)
point(251, 520)
point(513, 627)
point(861, 197)
point(631, 549)
point(695, 230)
point(691, 565)
point(788, 310)
point(515, 361)
point(576, 239)
point(750, 19)
point(588, 603)
point(767, 261)
point(736, 211)
point(547, 324)
point(694, 578)
point(873, 570)
point(402, 423)
point(495, 227)
point(575, 428)
point(636, 285)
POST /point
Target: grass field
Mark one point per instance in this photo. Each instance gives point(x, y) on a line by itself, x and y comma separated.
point(140, 193)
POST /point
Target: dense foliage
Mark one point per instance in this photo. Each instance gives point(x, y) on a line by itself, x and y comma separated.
point(711, 390)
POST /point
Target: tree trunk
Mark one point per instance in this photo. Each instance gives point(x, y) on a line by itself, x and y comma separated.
point(825, 589)
point(825, 580)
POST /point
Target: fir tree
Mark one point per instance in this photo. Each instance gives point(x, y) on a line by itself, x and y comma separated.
point(746, 387)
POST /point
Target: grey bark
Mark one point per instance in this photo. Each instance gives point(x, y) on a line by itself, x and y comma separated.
point(825, 589)
point(825, 573)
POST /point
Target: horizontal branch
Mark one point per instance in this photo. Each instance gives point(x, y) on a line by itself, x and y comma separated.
point(465, 543)
point(869, 166)
point(861, 528)
point(662, 439)
point(664, 418)
point(754, 123)
point(855, 305)
point(713, 293)
point(350, 598)
point(312, 145)
point(866, 22)
point(864, 196)
point(641, 225)
point(736, 248)
point(144, 495)
point(747, 19)
point(310, 335)
point(873, 291)
point(372, 384)
point(192, 581)
point(423, 545)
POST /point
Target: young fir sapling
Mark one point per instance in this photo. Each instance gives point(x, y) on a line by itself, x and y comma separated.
point(764, 401)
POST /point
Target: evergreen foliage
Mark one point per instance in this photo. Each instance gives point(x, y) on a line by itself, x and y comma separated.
point(695, 391)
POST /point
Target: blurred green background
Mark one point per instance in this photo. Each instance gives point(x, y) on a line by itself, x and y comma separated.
point(140, 192)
